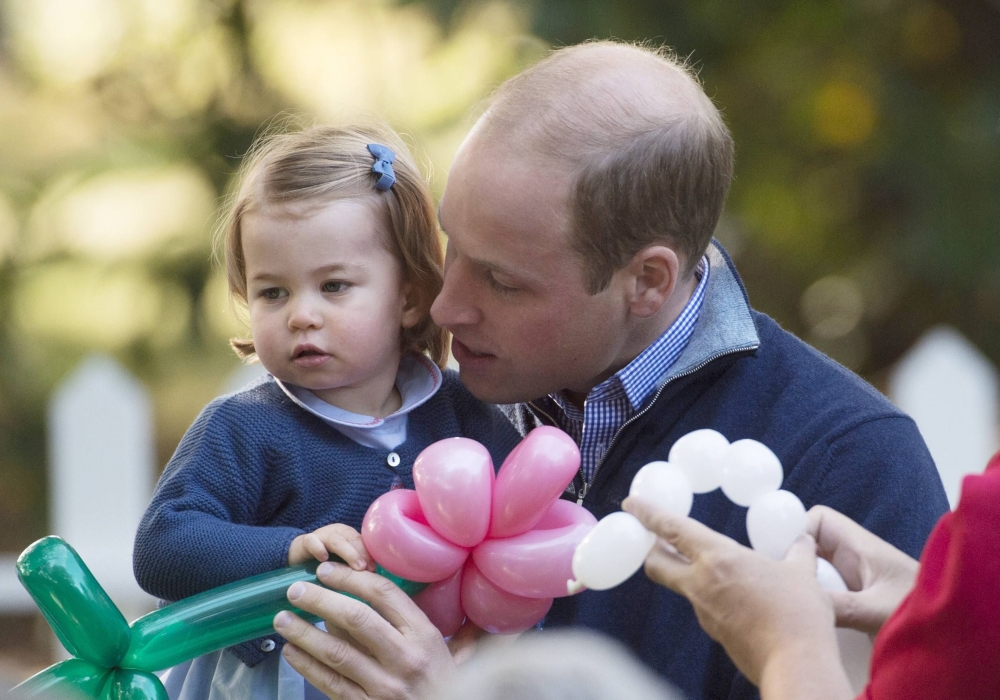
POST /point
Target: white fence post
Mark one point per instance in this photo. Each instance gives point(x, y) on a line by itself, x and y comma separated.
point(951, 391)
point(100, 472)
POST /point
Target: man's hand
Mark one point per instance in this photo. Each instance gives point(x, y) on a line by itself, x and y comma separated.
point(878, 575)
point(341, 540)
point(387, 651)
point(772, 617)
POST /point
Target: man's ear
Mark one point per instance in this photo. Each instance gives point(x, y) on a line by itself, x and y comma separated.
point(654, 272)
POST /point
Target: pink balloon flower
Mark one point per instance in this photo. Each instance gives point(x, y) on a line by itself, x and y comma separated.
point(520, 535)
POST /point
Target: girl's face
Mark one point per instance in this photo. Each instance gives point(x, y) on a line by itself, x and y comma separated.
point(327, 301)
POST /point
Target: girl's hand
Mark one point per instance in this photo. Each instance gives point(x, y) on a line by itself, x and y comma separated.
point(339, 539)
point(878, 575)
point(772, 617)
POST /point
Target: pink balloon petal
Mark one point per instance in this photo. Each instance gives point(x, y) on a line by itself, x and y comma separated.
point(454, 482)
point(442, 603)
point(494, 609)
point(535, 474)
point(538, 563)
point(395, 533)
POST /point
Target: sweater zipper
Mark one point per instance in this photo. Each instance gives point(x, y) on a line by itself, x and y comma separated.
point(587, 484)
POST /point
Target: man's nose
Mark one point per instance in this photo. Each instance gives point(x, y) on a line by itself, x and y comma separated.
point(455, 304)
point(303, 314)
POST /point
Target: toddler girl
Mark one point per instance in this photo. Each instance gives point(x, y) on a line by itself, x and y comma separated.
point(331, 244)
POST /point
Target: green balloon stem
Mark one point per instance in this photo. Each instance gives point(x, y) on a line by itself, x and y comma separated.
point(114, 661)
point(80, 613)
point(70, 679)
point(215, 619)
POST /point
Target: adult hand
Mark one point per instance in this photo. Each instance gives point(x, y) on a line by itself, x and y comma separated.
point(387, 651)
point(772, 617)
point(878, 575)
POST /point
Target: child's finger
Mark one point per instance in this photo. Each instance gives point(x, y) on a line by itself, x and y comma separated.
point(335, 542)
point(354, 537)
point(314, 545)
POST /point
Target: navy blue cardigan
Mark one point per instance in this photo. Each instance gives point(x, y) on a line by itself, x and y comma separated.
point(255, 470)
point(841, 443)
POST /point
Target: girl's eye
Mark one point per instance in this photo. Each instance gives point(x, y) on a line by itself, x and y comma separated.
point(273, 293)
point(335, 287)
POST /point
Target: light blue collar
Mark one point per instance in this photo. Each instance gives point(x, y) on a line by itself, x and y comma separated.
point(417, 379)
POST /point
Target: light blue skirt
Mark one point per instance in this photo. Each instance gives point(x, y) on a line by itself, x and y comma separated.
point(222, 676)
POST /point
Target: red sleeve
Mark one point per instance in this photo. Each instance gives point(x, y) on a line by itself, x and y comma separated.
point(943, 643)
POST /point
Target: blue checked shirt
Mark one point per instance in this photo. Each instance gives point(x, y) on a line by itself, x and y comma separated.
point(618, 398)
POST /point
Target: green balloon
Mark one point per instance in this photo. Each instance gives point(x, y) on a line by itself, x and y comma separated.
point(79, 611)
point(134, 685)
point(214, 619)
point(68, 680)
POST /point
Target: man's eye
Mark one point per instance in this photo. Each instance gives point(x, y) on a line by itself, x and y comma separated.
point(273, 293)
point(335, 287)
point(499, 287)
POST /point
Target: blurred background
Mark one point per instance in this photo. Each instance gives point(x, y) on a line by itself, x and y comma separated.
point(866, 208)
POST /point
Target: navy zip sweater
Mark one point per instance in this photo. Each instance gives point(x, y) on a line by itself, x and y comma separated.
point(255, 470)
point(842, 444)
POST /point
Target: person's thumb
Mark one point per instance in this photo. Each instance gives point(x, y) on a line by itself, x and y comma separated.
point(803, 553)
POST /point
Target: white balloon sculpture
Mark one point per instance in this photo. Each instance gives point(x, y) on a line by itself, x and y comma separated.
point(750, 475)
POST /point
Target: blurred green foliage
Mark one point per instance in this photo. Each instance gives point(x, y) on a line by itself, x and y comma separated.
point(865, 209)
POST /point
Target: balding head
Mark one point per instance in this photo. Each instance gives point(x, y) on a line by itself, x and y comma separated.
point(648, 153)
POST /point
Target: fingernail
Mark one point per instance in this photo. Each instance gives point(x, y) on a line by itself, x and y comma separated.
point(282, 619)
point(324, 569)
point(360, 565)
point(296, 590)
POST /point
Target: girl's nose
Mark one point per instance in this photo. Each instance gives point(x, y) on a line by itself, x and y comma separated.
point(303, 315)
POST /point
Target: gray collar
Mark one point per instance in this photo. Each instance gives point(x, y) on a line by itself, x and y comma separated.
point(725, 325)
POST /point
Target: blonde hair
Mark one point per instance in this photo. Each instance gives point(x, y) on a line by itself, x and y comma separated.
point(327, 163)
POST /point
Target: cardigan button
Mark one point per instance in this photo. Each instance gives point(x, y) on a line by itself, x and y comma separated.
point(393, 460)
point(267, 645)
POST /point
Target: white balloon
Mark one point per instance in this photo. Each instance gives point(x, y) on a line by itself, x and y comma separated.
point(829, 578)
point(701, 455)
point(611, 552)
point(774, 521)
point(750, 471)
point(665, 486)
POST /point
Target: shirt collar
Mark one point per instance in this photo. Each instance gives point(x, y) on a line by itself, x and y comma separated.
point(417, 379)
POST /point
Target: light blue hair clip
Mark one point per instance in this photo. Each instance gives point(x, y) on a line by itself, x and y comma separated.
point(384, 159)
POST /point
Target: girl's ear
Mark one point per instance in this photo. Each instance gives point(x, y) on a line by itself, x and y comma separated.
point(413, 306)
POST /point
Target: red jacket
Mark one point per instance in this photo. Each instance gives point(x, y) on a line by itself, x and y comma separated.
point(944, 640)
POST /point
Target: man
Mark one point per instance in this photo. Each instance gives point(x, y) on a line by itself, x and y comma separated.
point(583, 289)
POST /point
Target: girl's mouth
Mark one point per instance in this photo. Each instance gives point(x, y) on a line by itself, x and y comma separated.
point(309, 356)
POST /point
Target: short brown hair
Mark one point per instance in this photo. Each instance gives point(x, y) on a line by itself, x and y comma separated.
point(652, 161)
point(327, 163)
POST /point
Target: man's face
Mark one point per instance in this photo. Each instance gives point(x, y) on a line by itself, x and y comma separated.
point(514, 298)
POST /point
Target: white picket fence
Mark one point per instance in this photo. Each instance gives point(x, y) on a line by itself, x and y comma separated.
point(101, 465)
point(951, 391)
